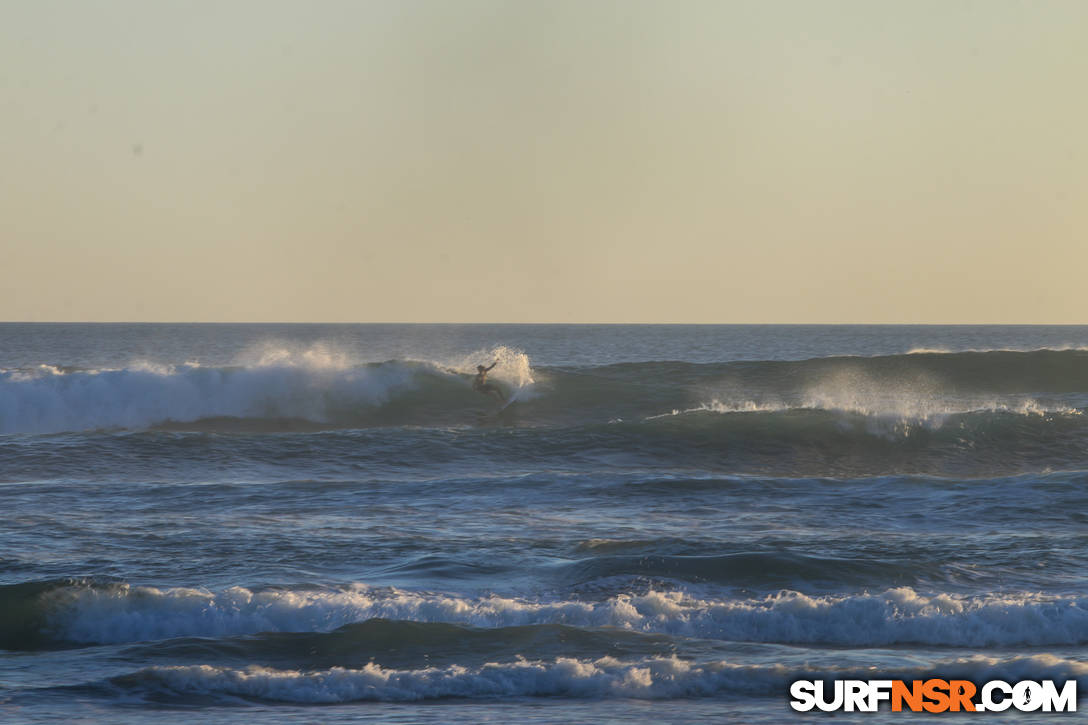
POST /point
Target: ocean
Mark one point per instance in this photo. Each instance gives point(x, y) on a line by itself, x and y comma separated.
point(325, 523)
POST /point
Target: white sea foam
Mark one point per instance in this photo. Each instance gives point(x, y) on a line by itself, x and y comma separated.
point(650, 678)
point(565, 677)
point(512, 367)
point(902, 615)
point(959, 351)
point(719, 406)
point(914, 399)
point(887, 412)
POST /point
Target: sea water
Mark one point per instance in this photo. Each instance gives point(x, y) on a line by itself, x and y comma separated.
point(273, 523)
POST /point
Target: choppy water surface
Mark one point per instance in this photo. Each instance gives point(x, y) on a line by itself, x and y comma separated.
point(238, 523)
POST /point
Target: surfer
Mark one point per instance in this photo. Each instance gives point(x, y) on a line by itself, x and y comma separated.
point(480, 384)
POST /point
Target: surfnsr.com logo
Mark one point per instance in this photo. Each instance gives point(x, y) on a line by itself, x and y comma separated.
point(934, 695)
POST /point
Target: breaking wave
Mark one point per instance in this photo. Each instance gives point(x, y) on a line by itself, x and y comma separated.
point(281, 390)
point(647, 678)
point(315, 389)
point(95, 613)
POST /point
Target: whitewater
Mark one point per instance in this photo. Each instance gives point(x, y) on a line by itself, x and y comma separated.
point(240, 523)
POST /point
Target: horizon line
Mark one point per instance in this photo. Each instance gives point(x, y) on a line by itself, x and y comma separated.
point(572, 324)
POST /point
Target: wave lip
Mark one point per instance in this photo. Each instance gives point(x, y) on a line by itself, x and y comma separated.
point(650, 678)
point(119, 613)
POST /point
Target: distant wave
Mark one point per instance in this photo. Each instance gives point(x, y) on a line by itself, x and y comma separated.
point(950, 351)
point(281, 391)
point(1018, 424)
point(88, 612)
point(762, 569)
point(607, 677)
point(881, 395)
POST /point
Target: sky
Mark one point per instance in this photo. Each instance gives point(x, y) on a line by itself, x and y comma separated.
point(806, 161)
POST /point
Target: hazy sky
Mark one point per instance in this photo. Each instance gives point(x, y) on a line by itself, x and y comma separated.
point(768, 161)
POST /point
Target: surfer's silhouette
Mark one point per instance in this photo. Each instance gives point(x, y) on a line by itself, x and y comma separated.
point(480, 384)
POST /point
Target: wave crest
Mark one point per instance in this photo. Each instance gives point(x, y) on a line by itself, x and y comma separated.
point(115, 613)
point(648, 678)
point(276, 388)
point(314, 386)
